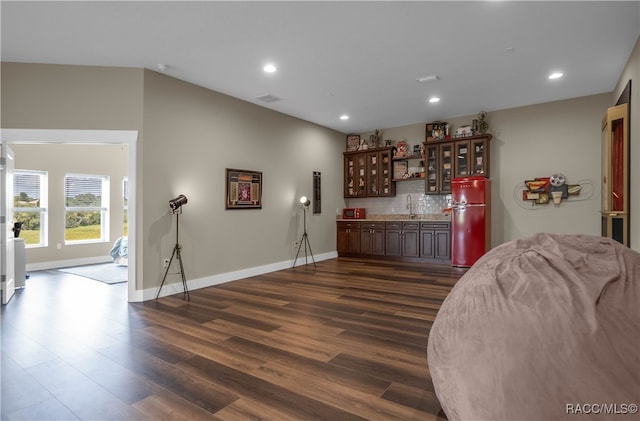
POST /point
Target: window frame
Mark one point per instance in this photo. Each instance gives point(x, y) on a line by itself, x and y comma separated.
point(42, 209)
point(104, 209)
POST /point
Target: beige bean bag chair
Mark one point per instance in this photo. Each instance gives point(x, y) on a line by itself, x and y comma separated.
point(544, 328)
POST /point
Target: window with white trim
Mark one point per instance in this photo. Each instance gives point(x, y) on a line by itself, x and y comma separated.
point(86, 209)
point(30, 206)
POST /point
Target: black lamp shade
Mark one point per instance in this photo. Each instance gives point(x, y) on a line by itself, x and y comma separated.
point(176, 203)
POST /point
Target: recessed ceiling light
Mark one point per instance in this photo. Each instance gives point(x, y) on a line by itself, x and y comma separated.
point(434, 99)
point(162, 67)
point(556, 75)
point(269, 68)
point(344, 117)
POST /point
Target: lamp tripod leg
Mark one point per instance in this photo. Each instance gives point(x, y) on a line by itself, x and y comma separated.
point(184, 278)
point(297, 253)
point(307, 250)
point(177, 253)
point(308, 244)
point(166, 272)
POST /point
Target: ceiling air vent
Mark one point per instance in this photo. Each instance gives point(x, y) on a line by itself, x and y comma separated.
point(269, 98)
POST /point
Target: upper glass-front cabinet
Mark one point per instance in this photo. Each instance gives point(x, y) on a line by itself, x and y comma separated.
point(354, 175)
point(431, 168)
point(479, 149)
point(463, 157)
point(368, 173)
point(446, 167)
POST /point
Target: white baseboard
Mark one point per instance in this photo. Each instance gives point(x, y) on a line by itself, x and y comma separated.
point(68, 263)
point(194, 284)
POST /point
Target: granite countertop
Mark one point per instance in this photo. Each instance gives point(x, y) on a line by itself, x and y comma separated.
point(401, 217)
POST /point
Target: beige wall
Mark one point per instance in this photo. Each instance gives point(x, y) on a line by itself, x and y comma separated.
point(58, 160)
point(536, 141)
point(632, 73)
point(43, 96)
point(190, 136)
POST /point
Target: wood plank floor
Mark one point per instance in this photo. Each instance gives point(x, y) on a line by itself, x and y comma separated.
point(346, 341)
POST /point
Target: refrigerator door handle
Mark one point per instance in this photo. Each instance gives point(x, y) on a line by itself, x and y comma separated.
point(458, 205)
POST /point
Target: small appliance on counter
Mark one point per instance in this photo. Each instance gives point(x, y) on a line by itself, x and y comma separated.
point(353, 213)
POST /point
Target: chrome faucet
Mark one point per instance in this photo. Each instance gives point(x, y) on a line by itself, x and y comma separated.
point(410, 207)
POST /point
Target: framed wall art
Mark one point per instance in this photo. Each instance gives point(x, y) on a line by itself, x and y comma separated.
point(244, 189)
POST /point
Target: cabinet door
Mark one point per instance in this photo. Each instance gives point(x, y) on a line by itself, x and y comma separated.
point(386, 186)
point(361, 175)
point(343, 240)
point(410, 244)
point(426, 244)
point(479, 157)
point(393, 240)
point(410, 239)
point(446, 167)
point(373, 182)
point(371, 240)
point(378, 243)
point(462, 158)
point(348, 237)
point(442, 245)
point(354, 241)
point(431, 169)
point(350, 180)
point(355, 178)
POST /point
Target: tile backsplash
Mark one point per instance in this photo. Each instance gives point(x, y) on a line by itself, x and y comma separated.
point(423, 204)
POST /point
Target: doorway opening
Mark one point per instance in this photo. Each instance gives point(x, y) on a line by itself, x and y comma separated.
point(95, 137)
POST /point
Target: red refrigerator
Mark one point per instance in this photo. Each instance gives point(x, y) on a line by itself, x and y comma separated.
point(471, 219)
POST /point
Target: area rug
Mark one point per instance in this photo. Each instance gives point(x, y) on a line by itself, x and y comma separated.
point(109, 273)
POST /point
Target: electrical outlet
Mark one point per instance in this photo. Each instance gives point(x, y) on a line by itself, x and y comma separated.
point(165, 263)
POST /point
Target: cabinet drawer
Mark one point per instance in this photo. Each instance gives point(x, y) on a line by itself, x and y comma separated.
point(372, 225)
point(348, 225)
point(435, 226)
point(410, 225)
point(394, 225)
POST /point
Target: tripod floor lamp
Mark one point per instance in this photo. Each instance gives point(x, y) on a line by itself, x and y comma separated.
point(305, 202)
point(176, 208)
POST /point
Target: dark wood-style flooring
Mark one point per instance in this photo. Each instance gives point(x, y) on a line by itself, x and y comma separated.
point(346, 341)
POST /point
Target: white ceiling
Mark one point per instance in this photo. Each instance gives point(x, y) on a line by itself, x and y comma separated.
point(358, 58)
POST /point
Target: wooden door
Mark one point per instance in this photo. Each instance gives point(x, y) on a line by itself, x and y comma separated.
point(615, 174)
